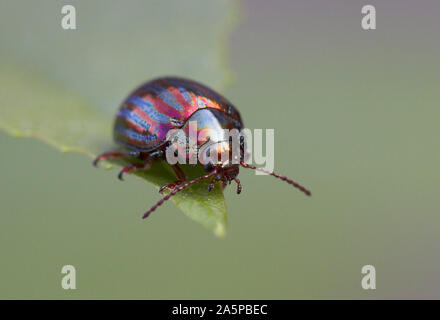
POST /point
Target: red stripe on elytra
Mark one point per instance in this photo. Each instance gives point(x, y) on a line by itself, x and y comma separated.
point(158, 104)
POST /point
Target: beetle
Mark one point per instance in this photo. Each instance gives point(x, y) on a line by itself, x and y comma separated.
point(150, 112)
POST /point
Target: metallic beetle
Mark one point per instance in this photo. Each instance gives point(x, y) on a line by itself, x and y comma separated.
point(151, 112)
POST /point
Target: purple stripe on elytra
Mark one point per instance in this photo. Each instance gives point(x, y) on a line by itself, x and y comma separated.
point(133, 135)
point(191, 86)
point(149, 109)
point(166, 96)
point(135, 118)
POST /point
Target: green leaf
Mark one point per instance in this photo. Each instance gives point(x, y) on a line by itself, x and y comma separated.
point(64, 86)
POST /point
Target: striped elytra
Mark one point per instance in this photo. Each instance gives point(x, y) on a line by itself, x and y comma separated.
point(158, 106)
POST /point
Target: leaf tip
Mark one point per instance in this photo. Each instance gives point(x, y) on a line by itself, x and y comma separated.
point(220, 230)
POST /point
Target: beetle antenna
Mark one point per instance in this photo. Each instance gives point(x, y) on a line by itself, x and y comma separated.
point(276, 175)
point(178, 189)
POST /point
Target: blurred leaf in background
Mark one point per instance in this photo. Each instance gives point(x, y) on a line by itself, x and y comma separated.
point(64, 86)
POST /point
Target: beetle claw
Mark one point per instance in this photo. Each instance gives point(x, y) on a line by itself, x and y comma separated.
point(107, 155)
point(238, 185)
point(129, 168)
point(167, 186)
point(170, 186)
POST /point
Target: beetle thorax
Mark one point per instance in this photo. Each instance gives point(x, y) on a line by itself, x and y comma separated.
point(205, 136)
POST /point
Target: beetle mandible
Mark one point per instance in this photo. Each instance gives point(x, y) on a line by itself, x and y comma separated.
point(158, 106)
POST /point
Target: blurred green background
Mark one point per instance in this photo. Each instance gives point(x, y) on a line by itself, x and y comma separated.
point(356, 118)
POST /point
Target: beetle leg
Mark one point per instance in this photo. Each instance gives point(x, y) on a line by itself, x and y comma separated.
point(108, 155)
point(238, 185)
point(134, 167)
point(178, 189)
point(129, 168)
point(181, 179)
